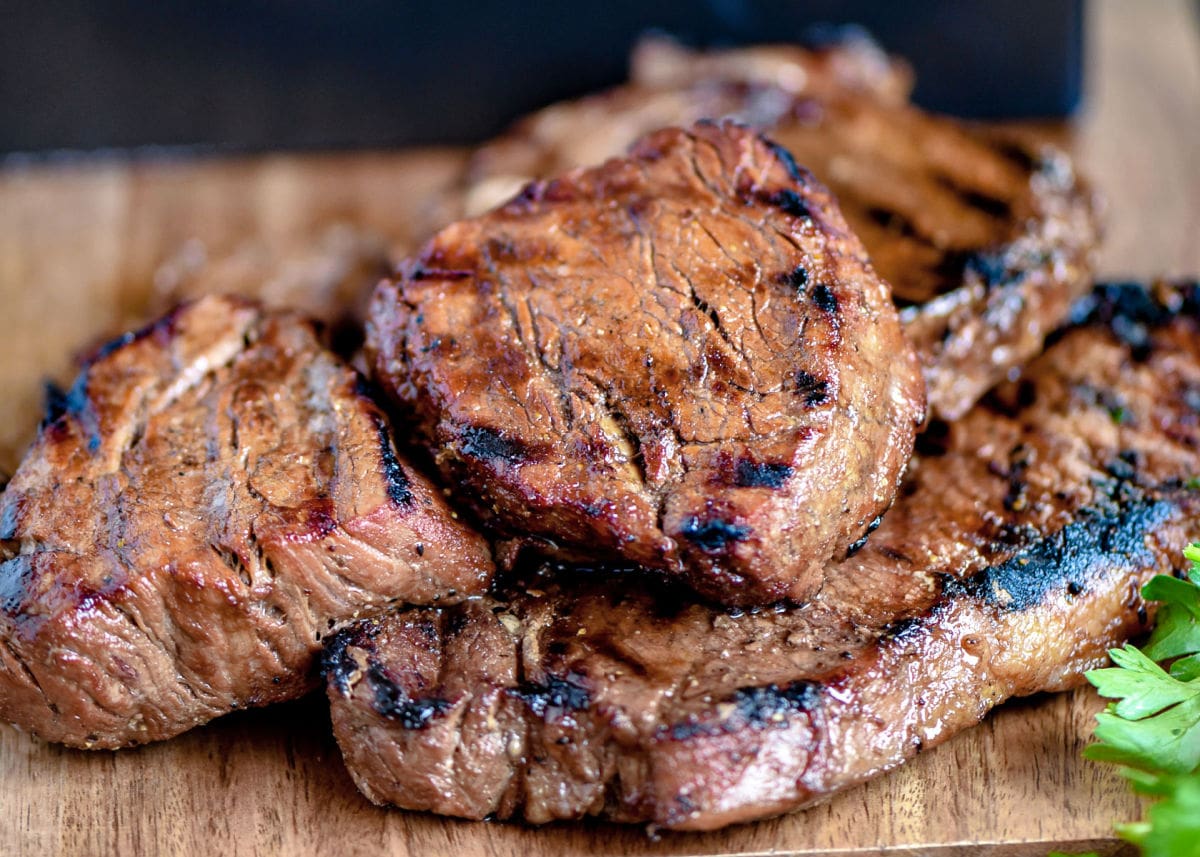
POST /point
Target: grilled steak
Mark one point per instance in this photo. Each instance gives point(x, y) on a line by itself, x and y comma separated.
point(984, 240)
point(1012, 561)
point(851, 63)
point(213, 496)
point(679, 359)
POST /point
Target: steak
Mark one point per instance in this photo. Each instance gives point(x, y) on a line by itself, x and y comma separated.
point(1012, 561)
point(679, 359)
point(851, 62)
point(212, 497)
point(985, 238)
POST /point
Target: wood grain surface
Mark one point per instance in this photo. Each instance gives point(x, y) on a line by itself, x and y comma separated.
point(87, 249)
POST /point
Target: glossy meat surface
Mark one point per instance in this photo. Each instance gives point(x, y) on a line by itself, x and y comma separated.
point(985, 238)
point(213, 496)
point(680, 359)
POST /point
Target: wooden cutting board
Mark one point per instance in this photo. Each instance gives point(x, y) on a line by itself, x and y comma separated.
point(81, 247)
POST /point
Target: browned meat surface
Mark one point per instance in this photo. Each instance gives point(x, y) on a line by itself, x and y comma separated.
point(680, 359)
point(213, 496)
point(1009, 565)
point(984, 240)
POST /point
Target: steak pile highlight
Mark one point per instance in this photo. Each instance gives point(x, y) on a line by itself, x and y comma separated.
point(677, 378)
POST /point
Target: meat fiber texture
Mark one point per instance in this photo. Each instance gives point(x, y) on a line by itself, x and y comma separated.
point(213, 496)
point(1012, 561)
point(681, 359)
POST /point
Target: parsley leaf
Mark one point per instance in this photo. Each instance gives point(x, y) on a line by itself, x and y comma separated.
point(1172, 825)
point(1153, 728)
point(1156, 724)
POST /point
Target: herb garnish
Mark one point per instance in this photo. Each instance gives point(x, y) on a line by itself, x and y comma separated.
point(1152, 730)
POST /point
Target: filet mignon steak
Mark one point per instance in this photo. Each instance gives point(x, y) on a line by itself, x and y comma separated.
point(680, 358)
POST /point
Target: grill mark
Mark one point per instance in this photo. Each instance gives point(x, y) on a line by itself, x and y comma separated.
point(74, 402)
point(825, 300)
point(489, 444)
point(754, 474)
point(797, 173)
point(565, 694)
point(335, 662)
point(1131, 311)
point(989, 265)
point(761, 705)
point(992, 206)
point(391, 701)
point(713, 535)
point(421, 273)
point(1073, 554)
point(797, 278)
point(756, 707)
point(896, 223)
point(59, 402)
point(399, 489)
point(789, 202)
point(862, 542)
point(814, 390)
point(15, 574)
point(1017, 154)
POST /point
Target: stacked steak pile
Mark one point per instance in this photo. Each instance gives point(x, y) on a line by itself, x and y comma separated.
point(776, 478)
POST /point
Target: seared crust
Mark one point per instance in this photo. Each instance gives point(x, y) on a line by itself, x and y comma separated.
point(679, 359)
point(212, 497)
point(984, 238)
point(1012, 561)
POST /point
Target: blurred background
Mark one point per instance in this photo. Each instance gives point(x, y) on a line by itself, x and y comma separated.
point(265, 74)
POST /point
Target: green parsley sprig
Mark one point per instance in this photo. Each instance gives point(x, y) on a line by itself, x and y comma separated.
point(1152, 730)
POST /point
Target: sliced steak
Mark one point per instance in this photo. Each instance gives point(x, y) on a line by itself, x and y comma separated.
point(679, 359)
point(1011, 563)
point(984, 238)
point(212, 497)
